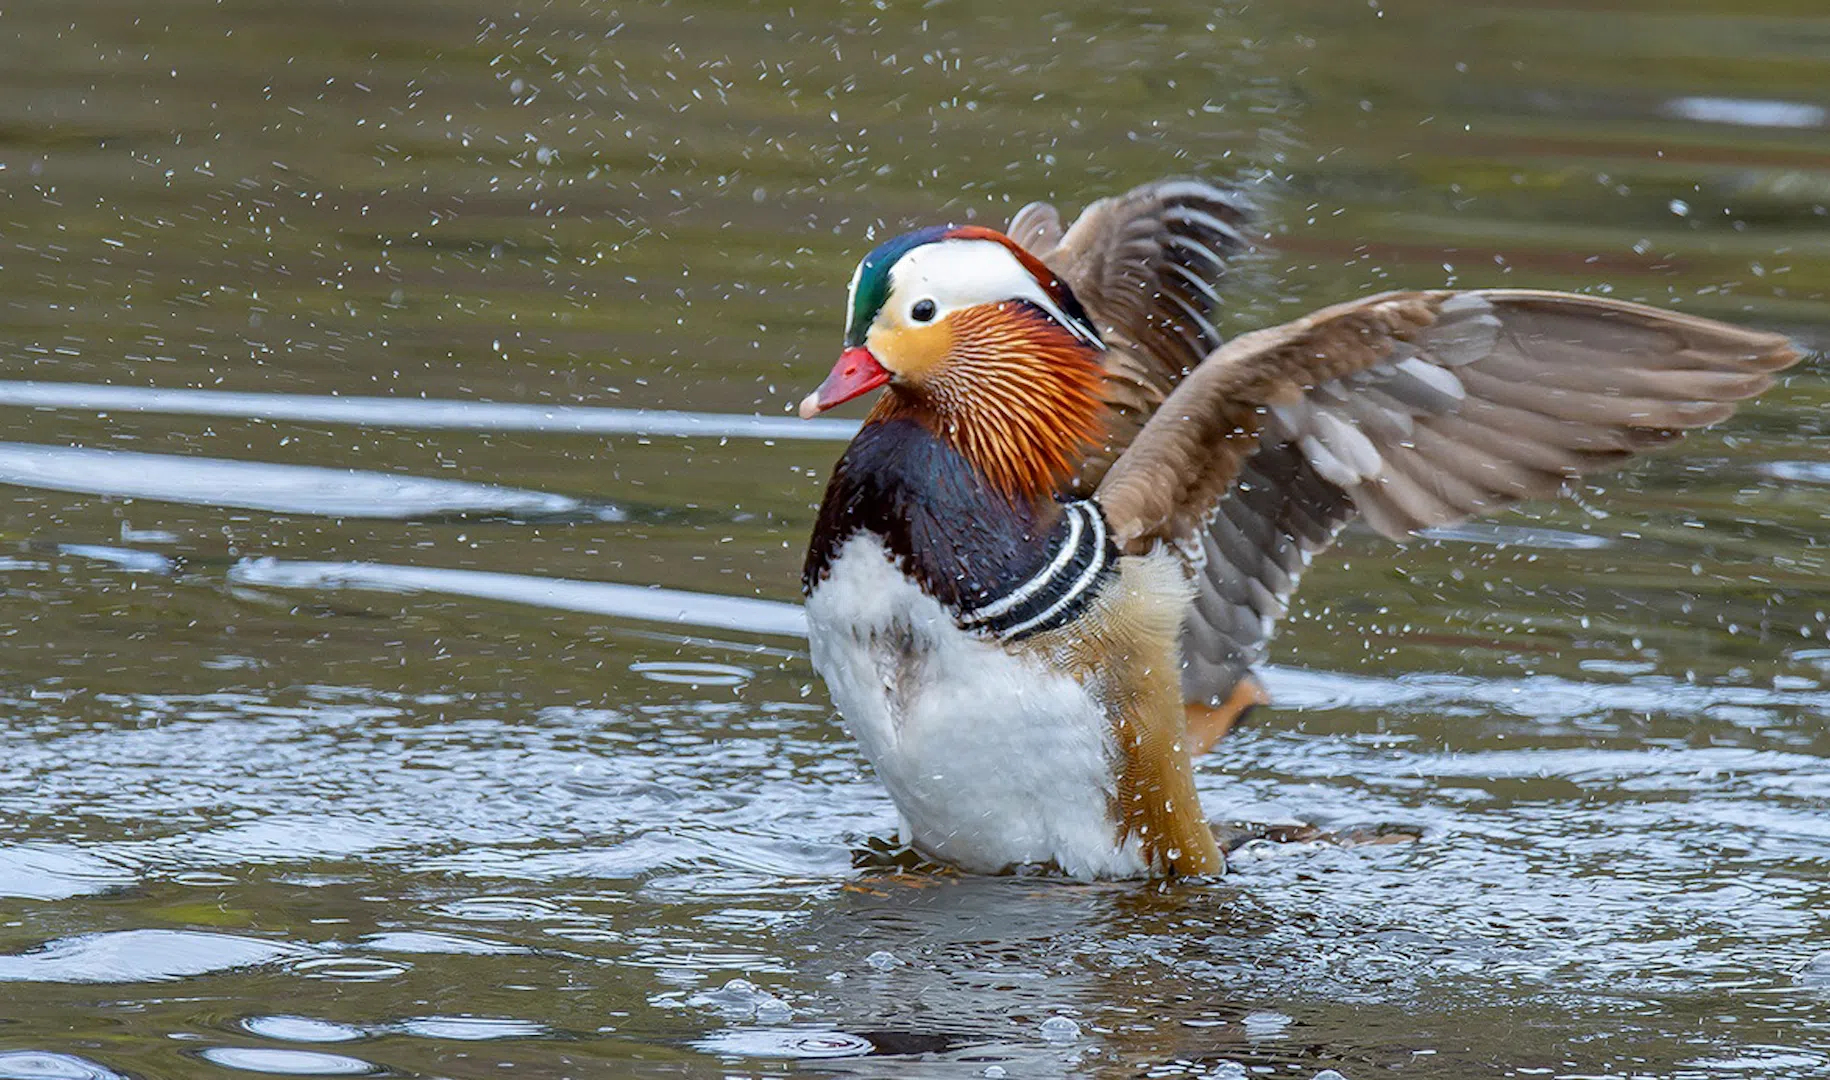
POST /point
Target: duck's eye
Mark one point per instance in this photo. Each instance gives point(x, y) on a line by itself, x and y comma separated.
point(922, 311)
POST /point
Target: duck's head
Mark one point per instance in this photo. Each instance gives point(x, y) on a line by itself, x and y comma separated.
point(978, 338)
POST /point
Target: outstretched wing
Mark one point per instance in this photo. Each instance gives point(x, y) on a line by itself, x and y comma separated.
point(1410, 410)
point(1148, 266)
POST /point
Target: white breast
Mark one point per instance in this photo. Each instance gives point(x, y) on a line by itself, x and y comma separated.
point(993, 759)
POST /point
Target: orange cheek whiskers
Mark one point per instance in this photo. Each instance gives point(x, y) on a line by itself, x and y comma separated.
point(1020, 397)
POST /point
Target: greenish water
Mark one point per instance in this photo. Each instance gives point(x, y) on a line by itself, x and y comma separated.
point(303, 773)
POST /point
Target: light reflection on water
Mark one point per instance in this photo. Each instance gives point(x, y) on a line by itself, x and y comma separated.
point(256, 1059)
point(361, 380)
point(284, 489)
point(34, 1065)
point(412, 413)
point(671, 606)
point(132, 956)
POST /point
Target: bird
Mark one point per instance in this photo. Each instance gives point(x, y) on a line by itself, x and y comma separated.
point(1046, 566)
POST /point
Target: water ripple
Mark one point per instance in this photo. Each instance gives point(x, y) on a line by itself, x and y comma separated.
point(130, 956)
point(43, 1065)
point(471, 1028)
point(284, 489)
point(784, 1043)
point(419, 413)
point(1537, 697)
point(49, 872)
point(300, 1029)
point(1503, 535)
point(1803, 472)
point(674, 606)
point(432, 944)
point(286, 1062)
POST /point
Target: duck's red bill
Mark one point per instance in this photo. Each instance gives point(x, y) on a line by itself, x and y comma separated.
point(857, 372)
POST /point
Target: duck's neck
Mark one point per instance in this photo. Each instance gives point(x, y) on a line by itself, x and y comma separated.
point(1020, 399)
point(960, 475)
point(933, 510)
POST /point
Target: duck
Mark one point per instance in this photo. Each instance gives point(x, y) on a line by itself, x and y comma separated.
point(1046, 567)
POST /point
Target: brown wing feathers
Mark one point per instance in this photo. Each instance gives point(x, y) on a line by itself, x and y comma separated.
point(1408, 409)
point(1428, 407)
point(1411, 410)
point(1147, 266)
point(1245, 565)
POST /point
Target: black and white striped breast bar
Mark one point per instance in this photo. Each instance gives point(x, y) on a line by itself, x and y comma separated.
point(1080, 560)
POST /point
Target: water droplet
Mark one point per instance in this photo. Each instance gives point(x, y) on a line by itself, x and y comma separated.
point(883, 960)
point(773, 1010)
point(1060, 1029)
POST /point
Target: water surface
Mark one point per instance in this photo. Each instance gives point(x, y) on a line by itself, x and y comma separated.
point(403, 518)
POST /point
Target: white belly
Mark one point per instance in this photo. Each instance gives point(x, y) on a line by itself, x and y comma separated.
point(993, 759)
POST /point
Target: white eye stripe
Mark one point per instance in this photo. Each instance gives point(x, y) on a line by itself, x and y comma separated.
point(958, 274)
point(851, 297)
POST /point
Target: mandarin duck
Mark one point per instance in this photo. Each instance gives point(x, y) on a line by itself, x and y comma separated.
point(1046, 565)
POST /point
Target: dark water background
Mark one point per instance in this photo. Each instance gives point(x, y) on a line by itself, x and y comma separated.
point(317, 755)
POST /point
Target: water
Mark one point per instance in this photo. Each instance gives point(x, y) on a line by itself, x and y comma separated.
point(403, 522)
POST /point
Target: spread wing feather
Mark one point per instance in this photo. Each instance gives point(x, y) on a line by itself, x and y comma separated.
point(1148, 266)
point(1410, 410)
